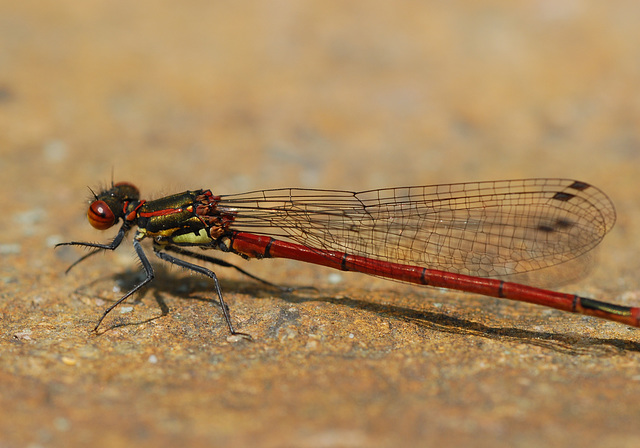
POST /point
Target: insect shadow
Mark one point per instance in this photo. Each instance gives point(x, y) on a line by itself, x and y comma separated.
point(172, 282)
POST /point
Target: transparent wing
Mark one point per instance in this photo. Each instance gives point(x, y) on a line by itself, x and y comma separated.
point(480, 228)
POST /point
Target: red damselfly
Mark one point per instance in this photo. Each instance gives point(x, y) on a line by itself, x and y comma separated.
point(455, 236)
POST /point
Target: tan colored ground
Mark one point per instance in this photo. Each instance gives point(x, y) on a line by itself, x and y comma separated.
point(236, 96)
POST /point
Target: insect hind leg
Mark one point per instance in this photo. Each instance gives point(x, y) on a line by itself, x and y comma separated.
point(204, 271)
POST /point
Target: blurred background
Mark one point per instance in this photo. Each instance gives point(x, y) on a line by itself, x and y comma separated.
point(243, 95)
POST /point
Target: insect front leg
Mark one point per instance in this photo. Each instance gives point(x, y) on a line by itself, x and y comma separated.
point(97, 247)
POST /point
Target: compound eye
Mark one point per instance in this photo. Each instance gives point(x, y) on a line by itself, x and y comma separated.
point(100, 215)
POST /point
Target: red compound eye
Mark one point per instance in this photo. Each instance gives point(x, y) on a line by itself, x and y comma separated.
point(100, 215)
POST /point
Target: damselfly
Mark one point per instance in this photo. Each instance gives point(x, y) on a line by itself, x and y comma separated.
point(454, 236)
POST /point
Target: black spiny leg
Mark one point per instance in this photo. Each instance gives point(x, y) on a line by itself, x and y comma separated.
point(222, 263)
point(204, 271)
point(148, 270)
point(113, 245)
